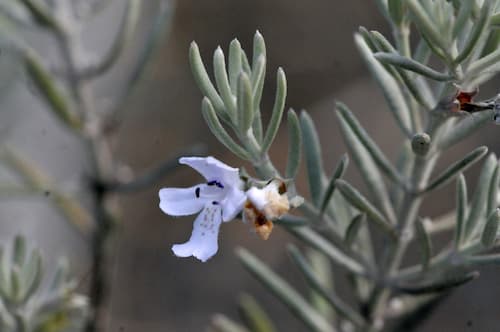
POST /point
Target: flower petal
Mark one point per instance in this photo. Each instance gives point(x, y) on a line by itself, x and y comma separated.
point(181, 201)
point(232, 204)
point(203, 241)
point(213, 169)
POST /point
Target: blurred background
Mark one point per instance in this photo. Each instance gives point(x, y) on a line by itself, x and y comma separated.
point(151, 290)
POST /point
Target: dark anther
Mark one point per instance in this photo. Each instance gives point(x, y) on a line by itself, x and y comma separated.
point(215, 203)
point(215, 183)
point(197, 192)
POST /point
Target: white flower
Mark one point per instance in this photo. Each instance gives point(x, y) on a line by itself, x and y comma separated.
point(219, 199)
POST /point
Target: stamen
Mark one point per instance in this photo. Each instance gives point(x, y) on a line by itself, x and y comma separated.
point(215, 203)
point(197, 192)
point(215, 183)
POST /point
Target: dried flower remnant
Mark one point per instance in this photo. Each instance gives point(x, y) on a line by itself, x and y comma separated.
point(265, 205)
point(219, 199)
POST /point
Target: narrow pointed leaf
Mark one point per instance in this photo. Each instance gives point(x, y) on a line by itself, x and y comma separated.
point(425, 24)
point(337, 174)
point(245, 65)
point(493, 192)
point(258, 76)
point(294, 145)
point(416, 85)
point(456, 168)
point(219, 131)
point(361, 203)
point(484, 63)
point(412, 65)
point(477, 211)
point(462, 17)
point(490, 231)
point(425, 243)
point(389, 86)
point(51, 91)
point(234, 64)
point(32, 273)
point(341, 307)
point(461, 211)
point(259, 48)
point(284, 292)
point(19, 252)
point(222, 323)
point(353, 229)
point(324, 246)
point(202, 80)
point(368, 168)
point(478, 30)
point(439, 286)
point(289, 220)
point(279, 106)
point(246, 110)
point(378, 156)
point(254, 315)
point(314, 161)
point(396, 10)
point(223, 82)
point(464, 128)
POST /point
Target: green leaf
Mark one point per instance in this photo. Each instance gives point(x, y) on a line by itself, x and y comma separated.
point(279, 106)
point(341, 307)
point(294, 145)
point(396, 10)
point(284, 292)
point(412, 65)
point(337, 174)
point(425, 243)
point(464, 14)
point(418, 88)
point(216, 128)
point(235, 66)
point(352, 231)
point(495, 20)
point(222, 323)
point(257, 78)
point(461, 211)
point(483, 64)
point(490, 231)
point(493, 191)
point(223, 83)
point(254, 315)
point(19, 253)
point(289, 220)
point(366, 164)
point(477, 211)
point(246, 110)
point(456, 168)
point(464, 128)
point(50, 91)
point(478, 30)
point(314, 161)
point(43, 15)
point(361, 203)
point(426, 25)
point(259, 48)
point(203, 81)
point(389, 86)
point(447, 283)
point(32, 275)
point(318, 242)
point(369, 144)
point(123, 39)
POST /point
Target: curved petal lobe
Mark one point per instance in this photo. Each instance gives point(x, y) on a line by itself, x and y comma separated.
point(181, 201)
point(213, 169)
point(203, 241)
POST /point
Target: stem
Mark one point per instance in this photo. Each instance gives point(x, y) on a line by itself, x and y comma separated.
point(421, 171)
point(102, 165)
